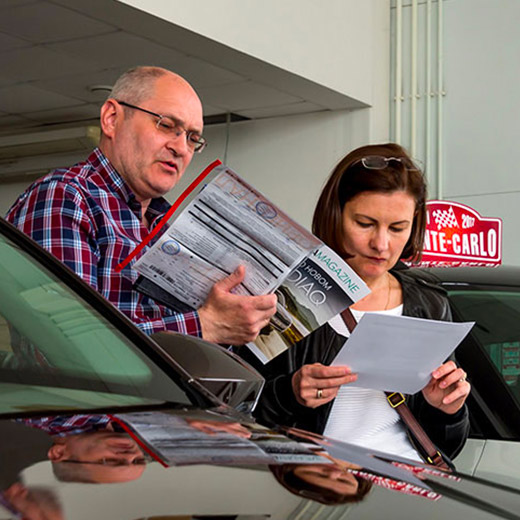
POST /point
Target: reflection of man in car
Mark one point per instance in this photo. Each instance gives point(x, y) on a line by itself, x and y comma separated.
point(103, 456)
point(90, 448)
point(215, 427)
point(93, 215)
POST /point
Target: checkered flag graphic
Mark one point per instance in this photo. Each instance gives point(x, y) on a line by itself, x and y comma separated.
point(445, 218)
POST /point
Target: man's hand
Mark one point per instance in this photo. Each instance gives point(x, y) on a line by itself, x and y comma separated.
point(448, 388)
point(317, 384)
point(233, 319)
point(213, 427)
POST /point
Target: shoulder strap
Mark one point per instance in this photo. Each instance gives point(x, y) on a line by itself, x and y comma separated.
point(398, 402)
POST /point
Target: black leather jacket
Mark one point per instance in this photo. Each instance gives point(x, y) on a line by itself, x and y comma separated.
point(278, 405)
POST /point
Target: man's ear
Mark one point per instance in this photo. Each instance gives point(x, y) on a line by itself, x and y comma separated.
point(57, 452)
point(110, 112)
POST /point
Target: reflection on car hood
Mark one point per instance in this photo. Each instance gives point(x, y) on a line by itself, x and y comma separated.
point(166, 463)
point(502, 275)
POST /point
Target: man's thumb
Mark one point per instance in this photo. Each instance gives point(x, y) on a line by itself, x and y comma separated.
point(234, 279)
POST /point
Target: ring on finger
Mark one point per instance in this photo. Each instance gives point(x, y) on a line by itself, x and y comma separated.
point(319, 393)
point(463, 378)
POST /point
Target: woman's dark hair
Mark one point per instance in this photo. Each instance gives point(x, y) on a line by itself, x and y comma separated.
point(351, 177)
point(284, 473)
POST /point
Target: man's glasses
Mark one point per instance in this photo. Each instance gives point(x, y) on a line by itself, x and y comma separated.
point(378, 162)
point(169, 125)
point(113, 462)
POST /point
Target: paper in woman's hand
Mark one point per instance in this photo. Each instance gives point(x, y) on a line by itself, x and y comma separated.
point(399, 353)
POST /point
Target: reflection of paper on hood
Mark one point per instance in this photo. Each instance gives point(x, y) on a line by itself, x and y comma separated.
point(176, 442)
point(369, 459)
point(199, 439)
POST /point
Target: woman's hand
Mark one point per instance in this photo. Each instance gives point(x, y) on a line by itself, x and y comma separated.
point(448, 388)
point(317, 384)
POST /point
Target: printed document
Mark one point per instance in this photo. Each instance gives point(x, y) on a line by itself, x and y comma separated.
point(399, 353)
point(177, 440)
point(320, 287)
point(226, 223)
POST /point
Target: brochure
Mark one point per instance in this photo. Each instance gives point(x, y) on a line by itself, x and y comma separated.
point(226, 223)
point(320, 287)
point(223, 223)
point(177, 440)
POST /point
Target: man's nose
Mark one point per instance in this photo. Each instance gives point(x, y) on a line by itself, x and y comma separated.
point(128, 451)
point(128, 458)
point(178, 143)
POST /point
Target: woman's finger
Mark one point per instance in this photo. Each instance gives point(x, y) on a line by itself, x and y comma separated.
point(312, 389)
point(319, 371)
point(461, 391)
point(452, 378)
point(444, 369)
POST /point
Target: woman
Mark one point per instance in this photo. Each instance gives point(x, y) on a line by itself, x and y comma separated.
point(329, 484)
point(371, 212)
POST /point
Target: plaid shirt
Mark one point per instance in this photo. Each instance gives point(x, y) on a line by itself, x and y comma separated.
point(64, 425)
point(88, 218)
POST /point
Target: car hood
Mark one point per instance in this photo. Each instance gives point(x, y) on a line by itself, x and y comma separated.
point(203, 464)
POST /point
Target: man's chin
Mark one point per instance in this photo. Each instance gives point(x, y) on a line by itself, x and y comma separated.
point(164, 184)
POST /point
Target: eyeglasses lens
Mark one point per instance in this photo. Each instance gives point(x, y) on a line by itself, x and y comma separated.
point(374, 162)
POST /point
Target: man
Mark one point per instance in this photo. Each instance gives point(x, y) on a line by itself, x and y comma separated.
point(92, 215)
point(90, 448)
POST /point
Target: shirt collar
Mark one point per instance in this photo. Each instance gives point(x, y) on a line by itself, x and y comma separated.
point(120, 188)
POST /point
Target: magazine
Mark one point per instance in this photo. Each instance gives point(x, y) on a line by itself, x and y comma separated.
point(320, 287)
point(225, 223)
point(177, 439)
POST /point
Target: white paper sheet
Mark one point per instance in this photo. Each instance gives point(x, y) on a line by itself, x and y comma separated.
point(399, 353)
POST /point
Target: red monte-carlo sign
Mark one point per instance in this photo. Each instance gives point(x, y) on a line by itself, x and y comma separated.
point(456, 235)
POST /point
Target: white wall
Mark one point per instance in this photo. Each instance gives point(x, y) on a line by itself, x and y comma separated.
point(480, 108)
point(288, 158)
point(482, 111)
point(331, 43)
point(343, 45)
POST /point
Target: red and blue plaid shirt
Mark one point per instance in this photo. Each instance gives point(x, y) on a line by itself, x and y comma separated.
point(65, 425)
point(88, 218)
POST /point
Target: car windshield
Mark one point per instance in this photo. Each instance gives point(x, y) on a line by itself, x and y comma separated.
point(57, 352)
point(497, 330)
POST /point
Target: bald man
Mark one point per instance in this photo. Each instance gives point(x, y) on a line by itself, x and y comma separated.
point(92, 215)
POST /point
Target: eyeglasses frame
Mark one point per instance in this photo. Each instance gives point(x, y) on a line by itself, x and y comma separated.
point(365, 164)
point(202, 142)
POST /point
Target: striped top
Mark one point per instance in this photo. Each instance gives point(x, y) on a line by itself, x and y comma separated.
point(362, 416)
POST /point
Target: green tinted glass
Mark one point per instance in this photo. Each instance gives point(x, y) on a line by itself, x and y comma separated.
point(57, 352)
point(497, 329)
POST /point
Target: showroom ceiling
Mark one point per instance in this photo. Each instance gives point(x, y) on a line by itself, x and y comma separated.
point(57, 56)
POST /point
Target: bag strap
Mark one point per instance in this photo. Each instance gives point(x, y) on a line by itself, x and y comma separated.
point(398, 402)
